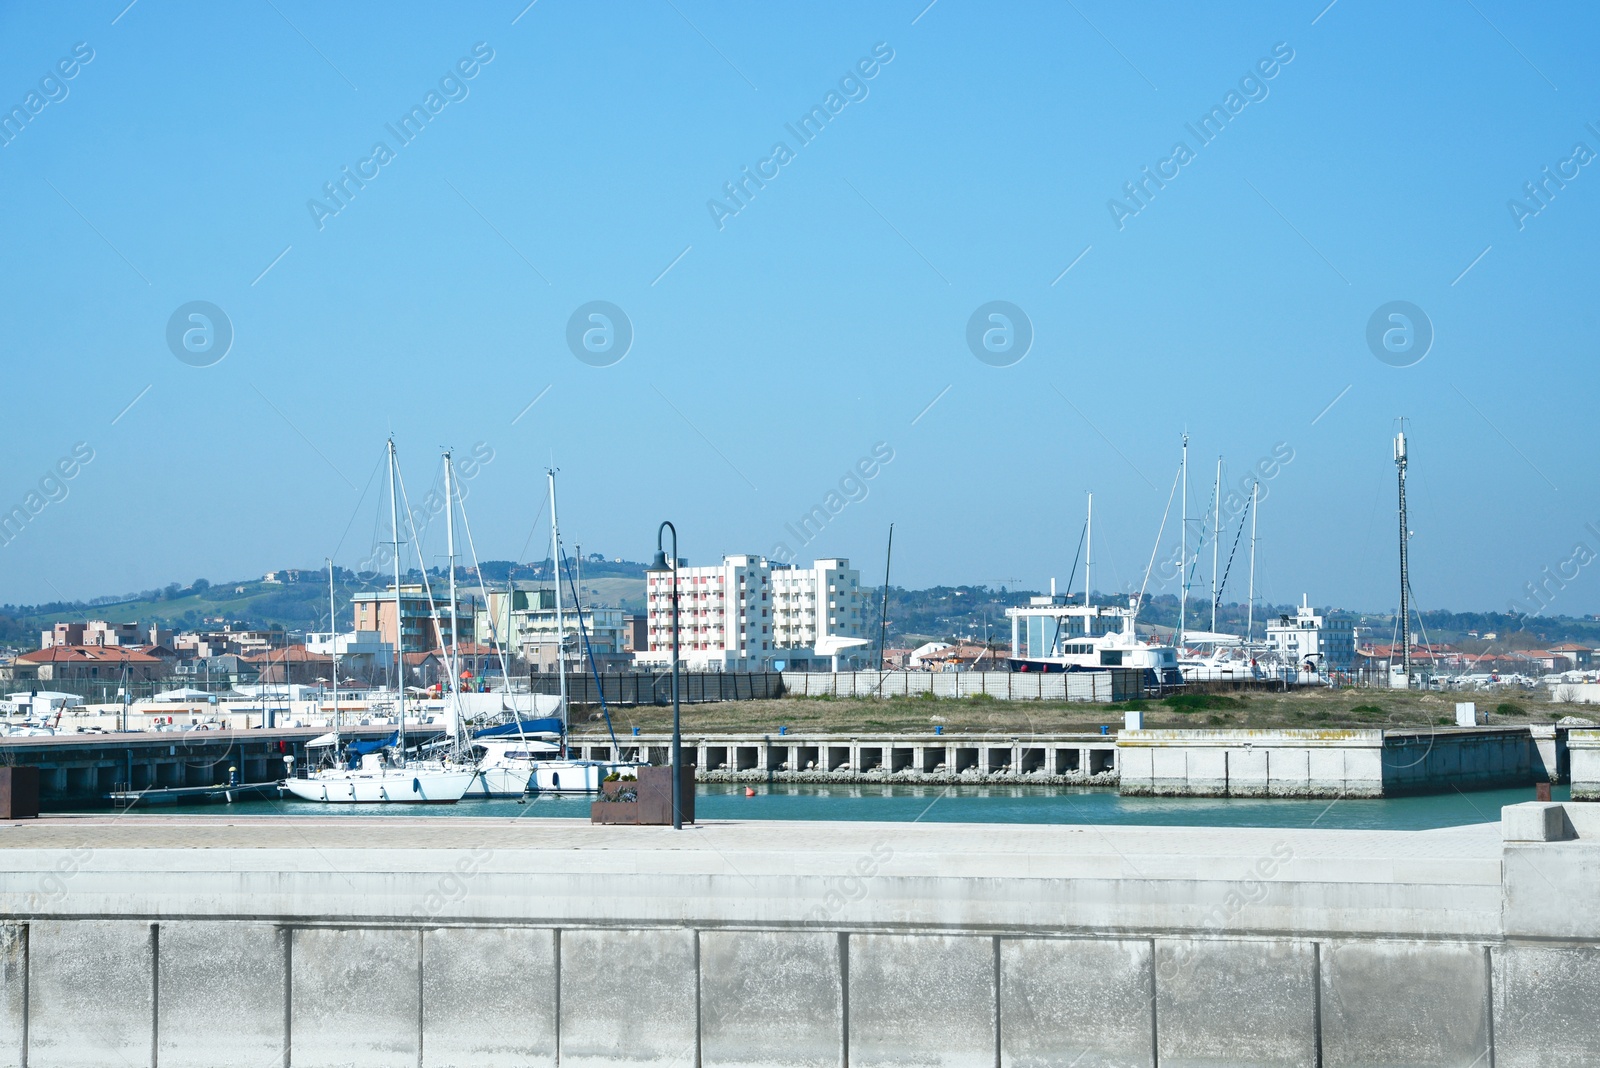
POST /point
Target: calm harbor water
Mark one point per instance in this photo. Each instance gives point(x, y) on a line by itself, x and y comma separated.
point(971, 804)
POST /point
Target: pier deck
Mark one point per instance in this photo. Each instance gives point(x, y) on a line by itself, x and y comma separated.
point(377, 941)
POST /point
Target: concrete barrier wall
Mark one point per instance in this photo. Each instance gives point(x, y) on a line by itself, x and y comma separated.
point(1113, 684)
point(1328, 763)
point(208, 994)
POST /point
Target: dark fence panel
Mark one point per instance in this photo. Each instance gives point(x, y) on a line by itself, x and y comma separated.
point(650, 688)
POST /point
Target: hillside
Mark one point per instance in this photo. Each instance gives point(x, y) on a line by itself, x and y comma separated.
point(293, 606)
point(942, 613)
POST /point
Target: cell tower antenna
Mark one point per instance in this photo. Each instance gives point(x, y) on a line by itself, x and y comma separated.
point(1400, 460)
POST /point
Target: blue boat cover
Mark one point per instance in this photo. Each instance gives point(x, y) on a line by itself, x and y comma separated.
point(356, 749)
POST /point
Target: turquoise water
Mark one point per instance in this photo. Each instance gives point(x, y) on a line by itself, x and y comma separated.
point(972, 804)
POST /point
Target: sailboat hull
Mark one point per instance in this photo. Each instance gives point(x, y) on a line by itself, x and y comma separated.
point(543, 777)
point(393, 786)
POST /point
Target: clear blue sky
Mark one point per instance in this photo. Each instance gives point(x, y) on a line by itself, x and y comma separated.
point(1376, 165)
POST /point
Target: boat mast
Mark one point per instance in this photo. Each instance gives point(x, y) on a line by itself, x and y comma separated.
point(1216, 541)
point(1183, 542)
point(561, 632)
point(399, 630)
point(333, 649)
point(883, 619)
point(452, 659)
point(1250, 617)
point(1088, 556)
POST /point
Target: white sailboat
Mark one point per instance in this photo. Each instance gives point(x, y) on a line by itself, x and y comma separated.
point(533, 762)
point(375, 773)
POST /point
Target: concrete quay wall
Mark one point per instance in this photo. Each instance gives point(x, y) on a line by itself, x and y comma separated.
point(1325, 763)
point(84, 768)
point(991, 757)
point(386, 942)
point(1330, 763)
point(1583, 751)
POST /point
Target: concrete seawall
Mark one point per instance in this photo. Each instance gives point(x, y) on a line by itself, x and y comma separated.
point(348, 941)
point(1325, 763)
point(865, 757)
point(1334, 762)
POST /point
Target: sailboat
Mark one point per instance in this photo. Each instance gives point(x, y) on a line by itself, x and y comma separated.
point(527, 758)
point(375, 772)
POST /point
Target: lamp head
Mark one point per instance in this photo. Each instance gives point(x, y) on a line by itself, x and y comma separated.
point(660, 562)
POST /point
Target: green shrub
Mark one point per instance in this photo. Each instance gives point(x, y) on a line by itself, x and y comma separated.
point(1366, 710)
point(1509, 708)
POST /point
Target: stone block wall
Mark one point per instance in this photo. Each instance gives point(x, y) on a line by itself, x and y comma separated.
point(91, 992)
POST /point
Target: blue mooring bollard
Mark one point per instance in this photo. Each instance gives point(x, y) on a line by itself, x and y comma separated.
point(636, 732)
point(1104, 729)
point(938, 728)
point(782, 729)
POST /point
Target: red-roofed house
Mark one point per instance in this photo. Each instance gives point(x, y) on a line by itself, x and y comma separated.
point(88, 663)
point(1579, 655)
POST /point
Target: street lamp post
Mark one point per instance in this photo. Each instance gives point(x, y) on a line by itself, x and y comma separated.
point(660, 564)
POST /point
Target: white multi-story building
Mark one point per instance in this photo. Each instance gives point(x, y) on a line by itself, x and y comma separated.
point(1330, 645)
point(819, 614)
point(745, 613)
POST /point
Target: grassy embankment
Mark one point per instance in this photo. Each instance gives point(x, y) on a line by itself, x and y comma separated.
point(1301, 709)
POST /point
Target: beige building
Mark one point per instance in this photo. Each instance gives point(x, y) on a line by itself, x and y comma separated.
point(419, 631)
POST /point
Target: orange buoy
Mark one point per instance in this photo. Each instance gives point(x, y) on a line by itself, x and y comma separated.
point(748, 792)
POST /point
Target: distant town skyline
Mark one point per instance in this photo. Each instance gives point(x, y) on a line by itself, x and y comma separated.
point(786, 278)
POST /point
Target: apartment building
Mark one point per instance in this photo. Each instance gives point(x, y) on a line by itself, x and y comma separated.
point(96, 632)
point(419, 630)
point(819, 609)
point(748, 614)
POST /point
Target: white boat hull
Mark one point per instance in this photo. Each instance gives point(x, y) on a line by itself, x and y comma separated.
point(515, 779)
point(389, 785)
point(505, 781)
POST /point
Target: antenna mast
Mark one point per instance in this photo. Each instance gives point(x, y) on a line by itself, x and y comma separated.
point(1405, 576)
